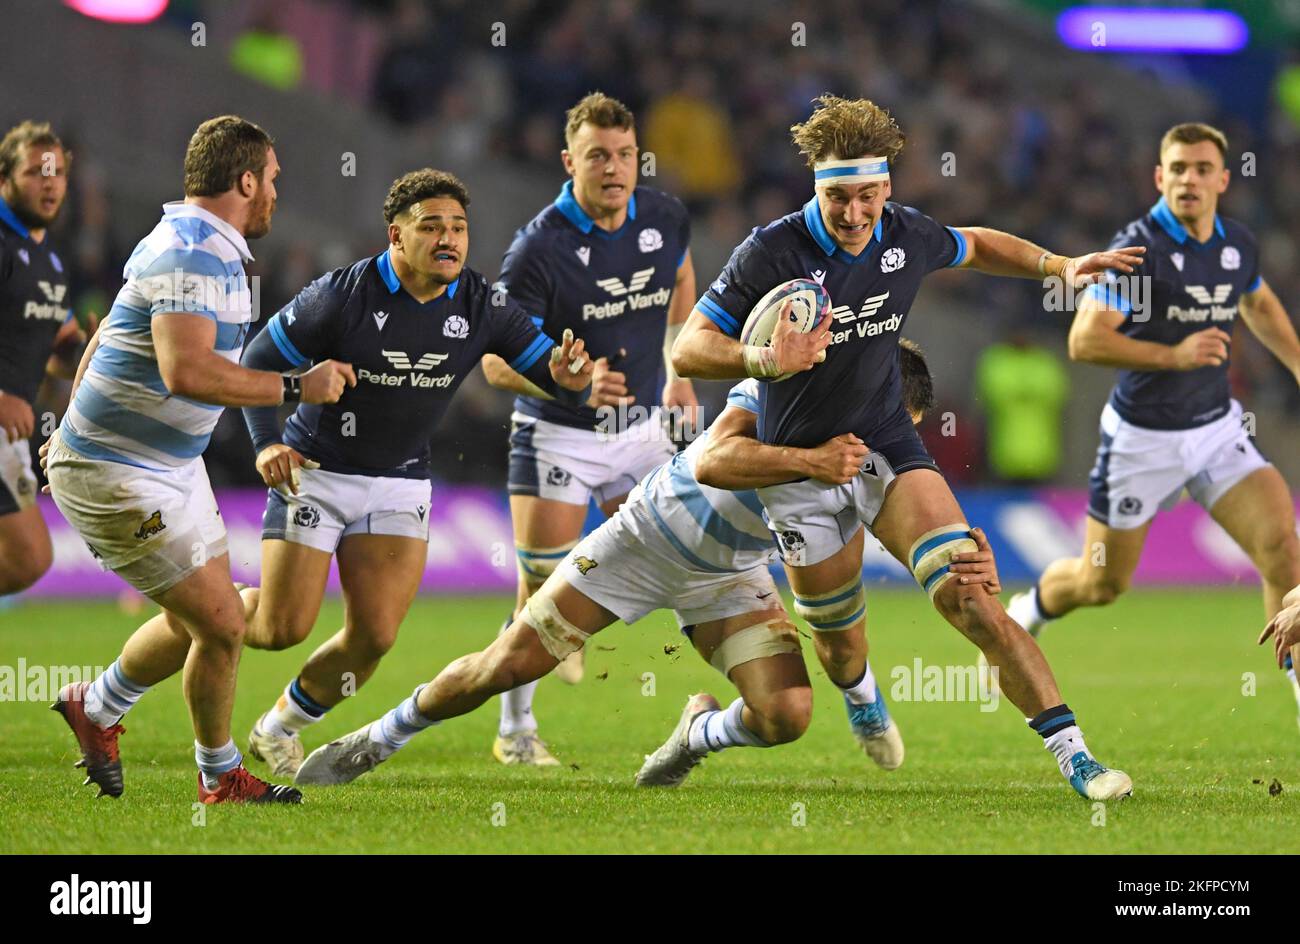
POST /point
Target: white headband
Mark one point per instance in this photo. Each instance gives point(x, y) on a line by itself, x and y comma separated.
point(859, 170)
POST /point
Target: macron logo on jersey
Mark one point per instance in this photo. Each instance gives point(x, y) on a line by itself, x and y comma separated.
point(640, 279)
point(381, 318)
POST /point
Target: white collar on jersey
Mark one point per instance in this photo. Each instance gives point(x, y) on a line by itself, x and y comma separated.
point(179, 208)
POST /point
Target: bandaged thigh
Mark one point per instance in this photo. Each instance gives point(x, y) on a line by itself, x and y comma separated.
point(772, 637)
point(835, 610)
point(560, 637)
point(932, 553)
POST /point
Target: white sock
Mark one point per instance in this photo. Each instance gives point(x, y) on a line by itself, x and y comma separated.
point(393, 730)
point(1024, 609)
point(293, 711)
point(1295, 686)
point(713, 731)
point(517, 704)
point(1064, 744)
point(215, 761)
point(517, 710)
point(862, 692)
point(111, 696)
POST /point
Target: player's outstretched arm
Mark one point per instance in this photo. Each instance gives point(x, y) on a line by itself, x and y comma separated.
point(734, 459)
point(1267, 319)
point(191, 368)
point(996, 253)
point(498, 374)
point(1095, 338)
point(702, 350)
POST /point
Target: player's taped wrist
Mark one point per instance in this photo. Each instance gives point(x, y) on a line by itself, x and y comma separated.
point(1047, 260)
point(760, 362)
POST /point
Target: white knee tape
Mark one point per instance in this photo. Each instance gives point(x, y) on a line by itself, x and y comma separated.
point(839, 609)
point(933, 551)
point(560, 637)
point(538, 563)
point(772, 638)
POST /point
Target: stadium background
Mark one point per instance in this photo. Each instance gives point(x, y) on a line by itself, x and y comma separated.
point(1007, 128)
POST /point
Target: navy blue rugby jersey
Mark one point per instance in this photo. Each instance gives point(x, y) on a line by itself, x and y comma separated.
point(858, 389)
point(1191, 286)
point(409, 357)
point(612, 289)
point(34, 305)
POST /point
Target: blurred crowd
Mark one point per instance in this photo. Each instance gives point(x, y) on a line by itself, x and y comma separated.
point(716, 85)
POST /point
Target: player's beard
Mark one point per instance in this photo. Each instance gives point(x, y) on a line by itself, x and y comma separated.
point(260, 211)
point(29, 215)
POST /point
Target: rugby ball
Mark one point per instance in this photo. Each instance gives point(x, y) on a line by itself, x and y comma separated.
point(809, 304)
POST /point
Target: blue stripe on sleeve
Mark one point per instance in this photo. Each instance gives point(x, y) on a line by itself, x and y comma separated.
point(540, 346)
point(1254, 286)
point(283, 343)
point(961, 247)
point(1108, 294)
point(718, 315)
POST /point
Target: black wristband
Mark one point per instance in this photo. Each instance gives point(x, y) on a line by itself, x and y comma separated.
point(292, 388)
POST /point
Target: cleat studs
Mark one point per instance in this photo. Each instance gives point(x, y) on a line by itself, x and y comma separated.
point(80, 763)
point(86, 782)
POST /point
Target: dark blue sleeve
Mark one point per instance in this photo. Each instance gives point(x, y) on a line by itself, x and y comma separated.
point(749, 274)
point(944, 245)
point(525, 276)
point(306, 328)
point(262, 421)
point(1256, 277)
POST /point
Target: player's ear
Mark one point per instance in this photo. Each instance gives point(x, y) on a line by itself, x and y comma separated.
point(567, 160)
point(889, 188)
point(248, 184)
point(395, 234)
point(1160, 177)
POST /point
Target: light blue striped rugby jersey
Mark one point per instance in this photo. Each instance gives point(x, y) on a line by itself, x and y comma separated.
point(712, 530)
point(192, 262)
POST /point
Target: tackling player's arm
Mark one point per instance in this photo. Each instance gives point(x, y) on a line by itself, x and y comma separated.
point(996, 253)
point(1267, 319)
point(68, 346)
point(1095, 338)
point(734, 459)
point(608, 387)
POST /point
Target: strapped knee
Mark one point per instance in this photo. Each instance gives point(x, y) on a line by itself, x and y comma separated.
point(538, 563)
point(933, 552)
point(837, 610)
point(773, 637)
point(560, 637)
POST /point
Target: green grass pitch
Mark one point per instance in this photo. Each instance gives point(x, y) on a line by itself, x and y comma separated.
point(1157, 682)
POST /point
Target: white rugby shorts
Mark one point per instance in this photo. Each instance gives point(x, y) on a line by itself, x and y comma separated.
point(1140, 471)
point(331, 505)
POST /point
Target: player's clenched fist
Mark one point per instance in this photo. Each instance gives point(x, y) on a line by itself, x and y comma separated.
point(796, 351)
point(278, 466)
point(571, 368)
point(837, 461)
point(326, 382)
point(1208, 348)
